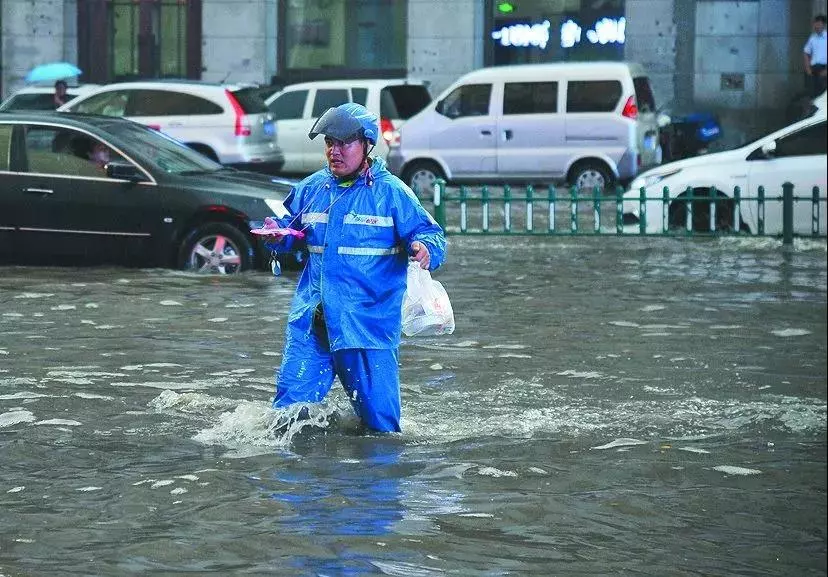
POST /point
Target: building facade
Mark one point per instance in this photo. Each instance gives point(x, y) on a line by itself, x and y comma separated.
point(740, 58)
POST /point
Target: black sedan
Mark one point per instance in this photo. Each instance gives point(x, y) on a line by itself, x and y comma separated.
point(80, 189)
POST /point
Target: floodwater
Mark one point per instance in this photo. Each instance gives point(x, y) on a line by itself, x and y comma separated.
point(606, 406)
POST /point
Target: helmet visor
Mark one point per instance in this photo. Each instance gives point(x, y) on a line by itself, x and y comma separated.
point(338, 124)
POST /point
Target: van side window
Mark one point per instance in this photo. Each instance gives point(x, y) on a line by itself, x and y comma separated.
point(592, 95)
point(289, 106)
point(530, 97)
point(329, 98)
point(468, 100)
point(359, 95)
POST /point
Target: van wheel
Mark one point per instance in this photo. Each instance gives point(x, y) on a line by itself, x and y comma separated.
point(216, 248)
point(421, 176)
point(586, 176)
point(205, 150)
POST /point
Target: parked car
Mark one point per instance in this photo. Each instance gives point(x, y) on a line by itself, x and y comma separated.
point(82, 189)
point(296, 107)
point(796, 153)
point(226, 122)
point(42, 97)
point(588, 123)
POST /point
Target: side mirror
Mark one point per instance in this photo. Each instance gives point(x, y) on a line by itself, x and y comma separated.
point(124, 171)
point(663, 120)
point(769, 149)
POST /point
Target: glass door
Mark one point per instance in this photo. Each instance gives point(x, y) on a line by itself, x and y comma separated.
point(135, 39)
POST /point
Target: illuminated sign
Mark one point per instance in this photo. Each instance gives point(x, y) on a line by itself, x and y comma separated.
point(524, 35)
point(603, 31)
point(505, 7)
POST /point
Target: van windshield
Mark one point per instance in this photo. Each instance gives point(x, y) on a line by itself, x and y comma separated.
point(644, 94)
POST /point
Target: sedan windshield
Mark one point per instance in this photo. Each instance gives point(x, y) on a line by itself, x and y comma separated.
point(161, 151)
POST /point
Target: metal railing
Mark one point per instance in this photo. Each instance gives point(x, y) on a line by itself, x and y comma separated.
point(546, 210)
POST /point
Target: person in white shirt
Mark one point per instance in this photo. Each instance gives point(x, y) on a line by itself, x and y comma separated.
point(814, 54)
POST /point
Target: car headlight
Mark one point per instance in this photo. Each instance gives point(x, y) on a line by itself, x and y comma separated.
point(277, 206)
point(652, 178)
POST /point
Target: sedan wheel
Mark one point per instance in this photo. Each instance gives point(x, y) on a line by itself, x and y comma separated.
point(216, 248)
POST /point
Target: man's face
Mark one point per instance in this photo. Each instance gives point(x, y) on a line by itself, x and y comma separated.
point(343, 157)
point(819, 26)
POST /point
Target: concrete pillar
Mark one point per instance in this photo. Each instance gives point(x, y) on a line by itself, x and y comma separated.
point(235, 39)
point(32, 33)
point(444, 40)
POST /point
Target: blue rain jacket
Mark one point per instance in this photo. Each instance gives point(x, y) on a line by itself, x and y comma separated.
point(358, 238)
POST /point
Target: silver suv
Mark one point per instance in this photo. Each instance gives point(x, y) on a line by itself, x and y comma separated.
point(226, 122)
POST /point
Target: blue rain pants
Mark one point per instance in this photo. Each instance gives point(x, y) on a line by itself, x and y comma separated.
point(370, 378)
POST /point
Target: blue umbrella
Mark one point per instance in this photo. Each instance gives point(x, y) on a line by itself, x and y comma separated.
point(52, 72)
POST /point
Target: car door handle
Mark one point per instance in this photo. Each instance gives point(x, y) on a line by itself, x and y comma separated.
point(486, 132)
point(507, 134)
point(39, 190)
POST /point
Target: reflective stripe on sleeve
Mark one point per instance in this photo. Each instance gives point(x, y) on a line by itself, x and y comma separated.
point(315, 248)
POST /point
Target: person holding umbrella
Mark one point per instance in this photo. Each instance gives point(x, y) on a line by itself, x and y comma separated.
point(60, 93)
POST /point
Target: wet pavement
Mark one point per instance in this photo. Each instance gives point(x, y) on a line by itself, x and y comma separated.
point(606, 406)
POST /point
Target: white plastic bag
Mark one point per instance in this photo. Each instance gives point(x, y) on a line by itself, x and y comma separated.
point(426, 309)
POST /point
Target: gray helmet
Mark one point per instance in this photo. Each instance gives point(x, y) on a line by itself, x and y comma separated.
point(347, 122)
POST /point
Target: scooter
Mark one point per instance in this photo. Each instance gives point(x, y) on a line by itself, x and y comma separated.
point(688, 135)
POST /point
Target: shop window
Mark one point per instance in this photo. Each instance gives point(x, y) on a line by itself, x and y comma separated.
point(536, 31)
point(133, 39)
point(321, 38)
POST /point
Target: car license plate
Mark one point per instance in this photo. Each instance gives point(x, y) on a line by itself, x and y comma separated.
point(269, 128)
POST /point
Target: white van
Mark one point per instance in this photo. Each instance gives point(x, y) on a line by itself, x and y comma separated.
point(297, 106)
point(587, 123)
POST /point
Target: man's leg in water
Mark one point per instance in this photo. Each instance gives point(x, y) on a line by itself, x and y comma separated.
point(306, 373)
point(371, 378)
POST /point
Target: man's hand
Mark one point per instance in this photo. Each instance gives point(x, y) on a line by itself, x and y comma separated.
point(420, 254)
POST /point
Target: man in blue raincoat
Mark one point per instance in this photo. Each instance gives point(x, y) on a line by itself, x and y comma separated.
point(361, 226)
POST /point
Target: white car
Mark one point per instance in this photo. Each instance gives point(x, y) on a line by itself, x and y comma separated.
point(297, 106)
point(819, 102)
point(796, 154)
point(227, 123)
point(42, 97)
